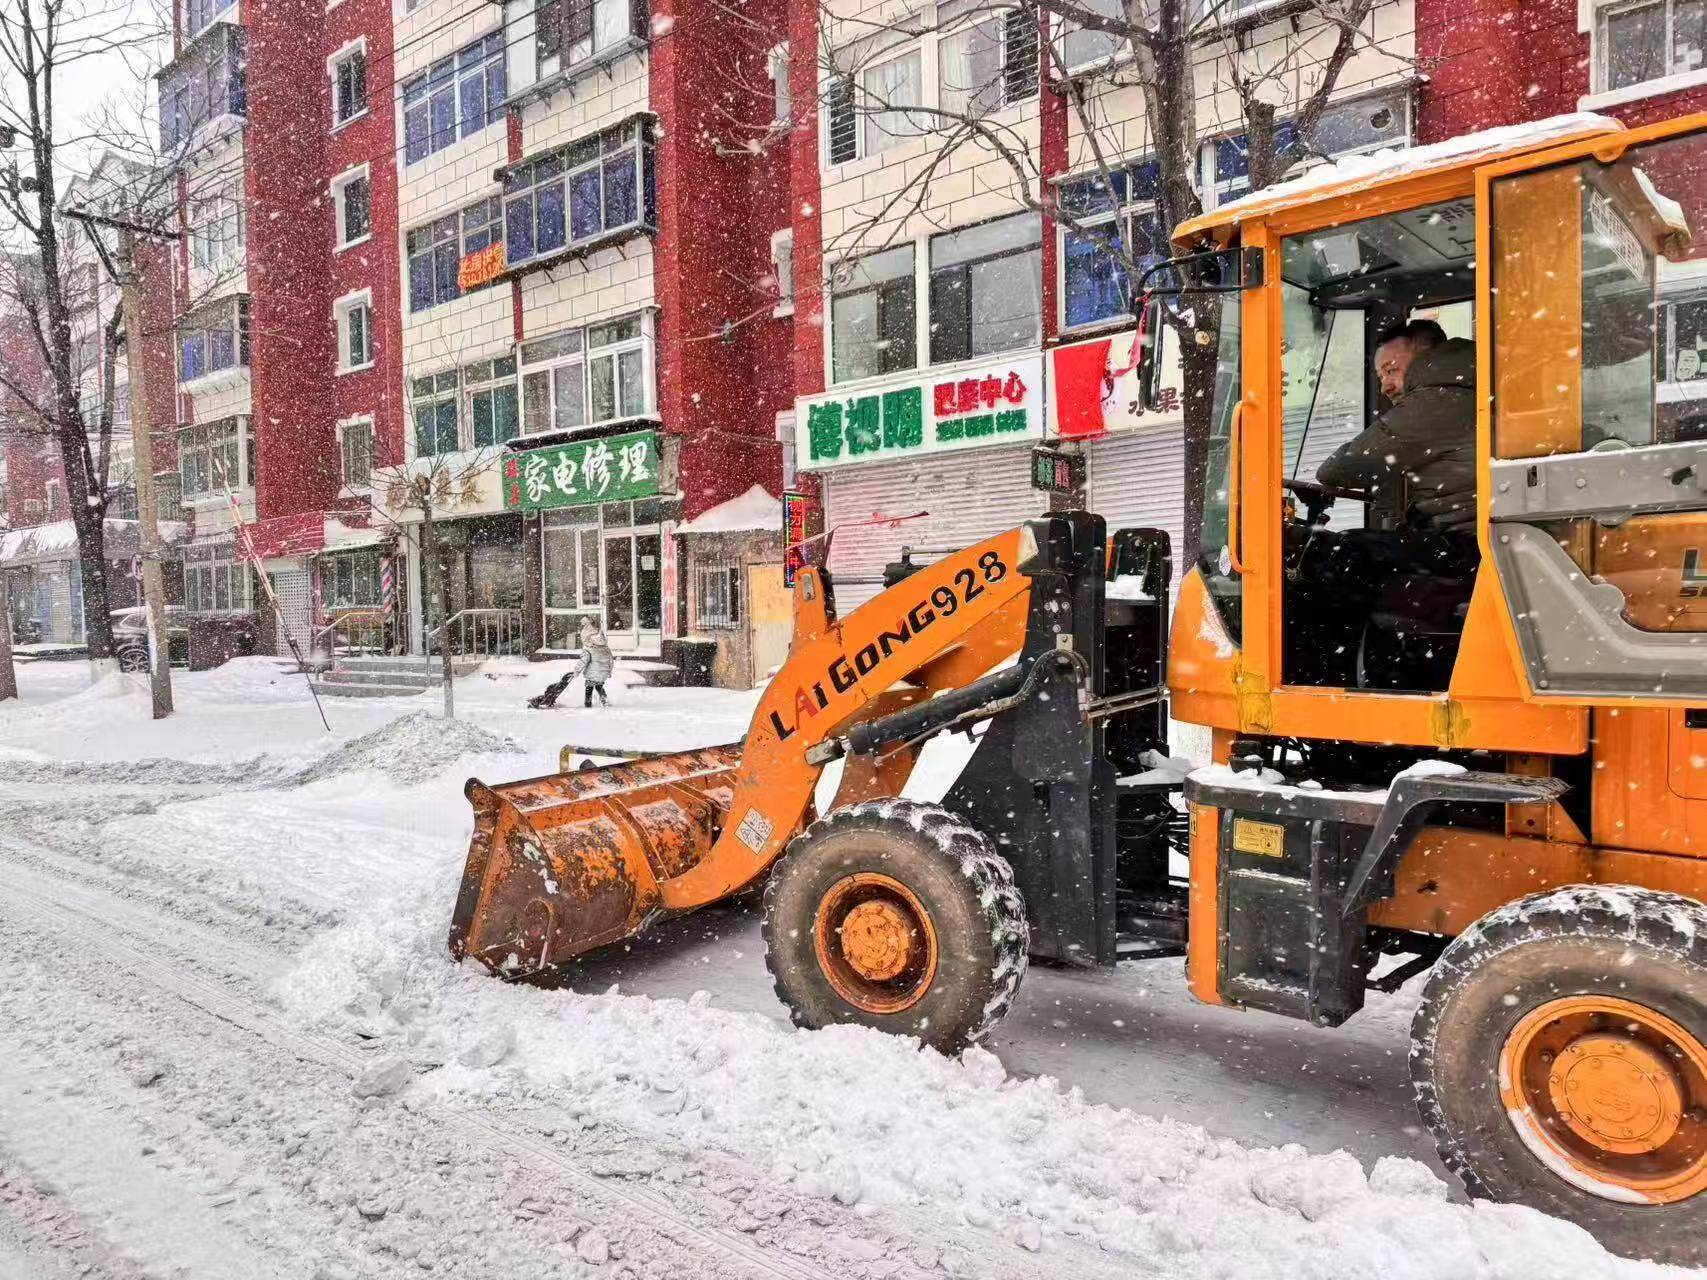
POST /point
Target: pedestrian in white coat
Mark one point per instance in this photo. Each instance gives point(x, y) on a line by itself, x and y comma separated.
point(597, 661)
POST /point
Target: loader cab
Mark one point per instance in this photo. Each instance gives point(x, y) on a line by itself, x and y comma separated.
point(1573, 265)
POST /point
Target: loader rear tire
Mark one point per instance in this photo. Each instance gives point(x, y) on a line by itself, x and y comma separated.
point(1559, 1057)
point(899, 916)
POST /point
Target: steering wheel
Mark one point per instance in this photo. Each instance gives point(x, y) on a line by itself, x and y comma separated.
point(1317, 498)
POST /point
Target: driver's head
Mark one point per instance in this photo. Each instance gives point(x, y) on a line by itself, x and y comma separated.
point(1401, 345)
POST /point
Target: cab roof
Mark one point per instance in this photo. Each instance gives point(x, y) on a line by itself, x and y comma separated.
point(1354, 174)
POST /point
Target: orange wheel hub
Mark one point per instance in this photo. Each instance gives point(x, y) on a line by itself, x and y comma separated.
point(875, 943)
point(1612, 1096)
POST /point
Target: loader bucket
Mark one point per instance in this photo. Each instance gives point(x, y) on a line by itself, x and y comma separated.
point(562, 864)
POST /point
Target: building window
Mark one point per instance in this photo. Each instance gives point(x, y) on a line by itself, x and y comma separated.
point(210, 81)
point(433, 260)
point(436, 251)
point(1103, 226)
point(351, 580)
point(718, 596)
point(595, 188)
point(985, 64)
point(1111, 220)
point(782, 263)
point(986, 291)
point(198, 13)
point(568, 32)
point(433, 402)
point(214, 457)
point(354, 318)
point(489, 387)
point(214, 582)
point(214, 338)
point(168, 497)
point(984, 61)
point(353, 202)
point(482, 225)
point(782, 106)
point(349, 83)
point(889, 88)
point(355, 444)
point(218, 226)
point(121, 503)
point(616, 370)
point(52, 489)
point(1650, 40)
point(457, 96)
point(1081, 48)
point(873, 316)
point(580, 378)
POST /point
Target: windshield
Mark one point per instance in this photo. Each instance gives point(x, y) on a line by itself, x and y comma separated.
point(1322, 373)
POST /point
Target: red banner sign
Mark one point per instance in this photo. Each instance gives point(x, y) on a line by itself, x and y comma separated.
point(481, 267)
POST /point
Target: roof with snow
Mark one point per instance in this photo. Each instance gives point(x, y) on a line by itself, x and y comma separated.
point(1352, 174)
point(744, 513)
point(40, 543)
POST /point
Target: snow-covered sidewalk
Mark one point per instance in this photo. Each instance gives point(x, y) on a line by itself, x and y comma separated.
point(319, 870)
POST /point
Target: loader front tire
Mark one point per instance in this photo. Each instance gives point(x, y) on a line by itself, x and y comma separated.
point(1559, 1057)
point(899, 916)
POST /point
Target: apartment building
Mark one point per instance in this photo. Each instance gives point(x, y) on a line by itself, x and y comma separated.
point(590, 360)
point(39, 554)
point(276, 122)
point(492, 267)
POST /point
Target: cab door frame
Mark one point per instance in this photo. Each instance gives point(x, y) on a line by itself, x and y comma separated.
point(1485, 706)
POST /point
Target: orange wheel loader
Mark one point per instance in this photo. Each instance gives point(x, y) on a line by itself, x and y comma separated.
point(1458, 710)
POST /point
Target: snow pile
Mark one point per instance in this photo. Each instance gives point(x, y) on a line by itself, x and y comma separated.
point(411, 749)
point(873, 1121)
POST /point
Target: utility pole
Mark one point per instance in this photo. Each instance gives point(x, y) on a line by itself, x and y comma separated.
point(8, 674)
point(142, 445)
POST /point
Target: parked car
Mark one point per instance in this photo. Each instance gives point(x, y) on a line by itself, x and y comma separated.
point(130, 637)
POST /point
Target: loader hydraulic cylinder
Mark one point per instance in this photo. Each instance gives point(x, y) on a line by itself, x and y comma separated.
point(982, 695)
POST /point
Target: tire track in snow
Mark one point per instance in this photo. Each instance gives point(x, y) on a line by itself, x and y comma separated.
point(95, 934)
point(91, 1155)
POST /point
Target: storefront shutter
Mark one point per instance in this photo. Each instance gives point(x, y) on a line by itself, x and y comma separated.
point(968, 497)
point(1137, 481)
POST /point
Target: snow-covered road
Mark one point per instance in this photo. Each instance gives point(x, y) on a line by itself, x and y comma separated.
point(234, 1047)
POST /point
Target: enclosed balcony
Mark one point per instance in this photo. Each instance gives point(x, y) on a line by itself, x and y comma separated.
point(204, 91)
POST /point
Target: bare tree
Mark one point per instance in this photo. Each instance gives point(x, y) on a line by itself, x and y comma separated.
point(1280, 64)
point(44, 45)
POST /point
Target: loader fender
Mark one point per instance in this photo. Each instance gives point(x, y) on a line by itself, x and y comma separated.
point(1295, 871)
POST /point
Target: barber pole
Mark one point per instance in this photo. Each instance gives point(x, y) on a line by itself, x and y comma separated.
point(387, 586)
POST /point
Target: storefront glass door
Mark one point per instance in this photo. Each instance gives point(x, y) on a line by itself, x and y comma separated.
point(633, 588)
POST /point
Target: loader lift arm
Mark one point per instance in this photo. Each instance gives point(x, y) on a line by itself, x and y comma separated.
point(561, 864)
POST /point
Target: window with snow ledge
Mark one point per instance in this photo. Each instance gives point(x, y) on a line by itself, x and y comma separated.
point(214, 457)
point(214, 339)
point(198, 13)
point(1644, 47)
point(554, 43)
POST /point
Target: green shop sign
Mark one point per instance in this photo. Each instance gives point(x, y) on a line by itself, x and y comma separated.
point(609, 469)
point(967, 409)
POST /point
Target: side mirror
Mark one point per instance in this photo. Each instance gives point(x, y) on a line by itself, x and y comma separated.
point(1151, 332)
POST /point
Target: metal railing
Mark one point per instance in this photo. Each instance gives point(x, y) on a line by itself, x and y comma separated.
point(480, 633)
point(355, 631)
